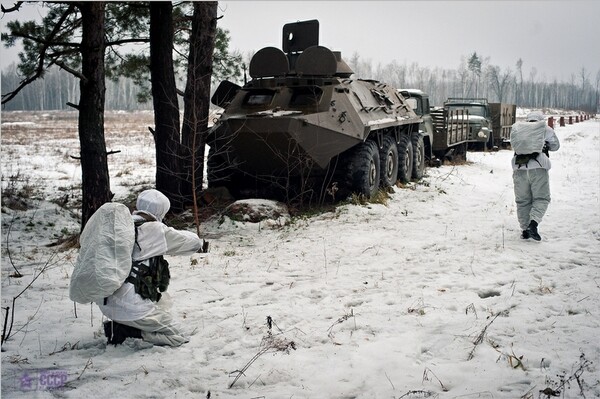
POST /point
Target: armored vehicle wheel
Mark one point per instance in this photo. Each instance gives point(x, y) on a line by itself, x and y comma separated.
point(363, 169)
point(405, 158)
point(221, 171)
point(418, 169)
point(214, 169)
point(388, 157)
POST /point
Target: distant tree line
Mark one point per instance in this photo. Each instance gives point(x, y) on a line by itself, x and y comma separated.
point(59, 87)
point(475, 77)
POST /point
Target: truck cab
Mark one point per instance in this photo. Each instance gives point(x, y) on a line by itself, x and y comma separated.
point(479, 118)
point(418, 100)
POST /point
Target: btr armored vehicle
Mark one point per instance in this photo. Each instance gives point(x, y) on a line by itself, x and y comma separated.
point(303, 126)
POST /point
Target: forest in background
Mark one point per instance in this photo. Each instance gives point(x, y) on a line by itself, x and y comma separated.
point(475, 77)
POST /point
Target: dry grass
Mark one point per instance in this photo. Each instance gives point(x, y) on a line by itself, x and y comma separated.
point(25, 127)
point(49, 141)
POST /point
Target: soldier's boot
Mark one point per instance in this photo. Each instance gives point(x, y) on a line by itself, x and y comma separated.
point(533, 231)
point(117, 333)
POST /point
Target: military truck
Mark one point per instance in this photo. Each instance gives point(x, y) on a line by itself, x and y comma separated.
point(445, 130)
point(479, 118)
point(503, 117)
point(302, 126)
point(489, 123)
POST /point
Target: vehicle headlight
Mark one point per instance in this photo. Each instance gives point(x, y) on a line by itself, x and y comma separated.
point(484, 132)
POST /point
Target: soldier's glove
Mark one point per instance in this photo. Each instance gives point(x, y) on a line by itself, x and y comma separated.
point(204, 248)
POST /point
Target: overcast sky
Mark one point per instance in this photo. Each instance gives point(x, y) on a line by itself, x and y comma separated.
point(558, 38)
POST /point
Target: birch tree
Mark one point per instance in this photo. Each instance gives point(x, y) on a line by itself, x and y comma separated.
point(499, 81)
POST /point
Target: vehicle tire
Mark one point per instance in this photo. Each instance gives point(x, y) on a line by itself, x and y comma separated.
point(418, 169)
point(491, 142)
point(459, 153)
point(363, 169)
point(405, 158)
point(388, 158)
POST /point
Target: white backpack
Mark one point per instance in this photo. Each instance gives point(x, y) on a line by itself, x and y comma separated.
point(528, 137)
point(104, 260)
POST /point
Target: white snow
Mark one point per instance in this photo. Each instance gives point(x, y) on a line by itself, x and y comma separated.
point(386, 121)
point(432, 295)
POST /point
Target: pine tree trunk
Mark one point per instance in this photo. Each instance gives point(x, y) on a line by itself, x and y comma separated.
point(94, 163)
point(166, 109)
point(197, 94)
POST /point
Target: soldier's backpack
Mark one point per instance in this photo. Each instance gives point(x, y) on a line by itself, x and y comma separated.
point(527, 140)
point(104, 260)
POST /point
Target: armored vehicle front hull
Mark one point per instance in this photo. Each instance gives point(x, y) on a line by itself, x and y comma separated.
point(281, 145)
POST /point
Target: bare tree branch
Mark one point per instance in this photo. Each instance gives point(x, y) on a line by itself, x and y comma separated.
point(127, 41)
point(75, 73)
point(42, 56)
point(13, 8)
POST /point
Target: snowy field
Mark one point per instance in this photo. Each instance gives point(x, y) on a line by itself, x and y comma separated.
point(432, 295)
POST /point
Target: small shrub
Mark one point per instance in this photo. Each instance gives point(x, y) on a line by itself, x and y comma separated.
point(124, 172)
point(381, 197)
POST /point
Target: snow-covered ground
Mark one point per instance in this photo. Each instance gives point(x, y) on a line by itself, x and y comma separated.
point(432, 295)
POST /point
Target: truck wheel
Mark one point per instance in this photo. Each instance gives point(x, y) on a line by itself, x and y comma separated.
point(388, 157)
point(491, 142)
point(418, 169)
point(405, 159)
point(458, 153)
point(363, 169)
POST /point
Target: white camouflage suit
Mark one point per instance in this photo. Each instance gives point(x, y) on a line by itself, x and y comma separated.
point(531, 181)
point(154, 238)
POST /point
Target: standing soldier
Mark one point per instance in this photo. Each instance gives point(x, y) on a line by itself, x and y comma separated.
point(531, 141)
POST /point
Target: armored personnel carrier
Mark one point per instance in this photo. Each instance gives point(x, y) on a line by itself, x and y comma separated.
point(302, 126)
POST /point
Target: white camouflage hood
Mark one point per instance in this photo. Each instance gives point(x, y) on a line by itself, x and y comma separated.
point(154, 203)
point(535, 116)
